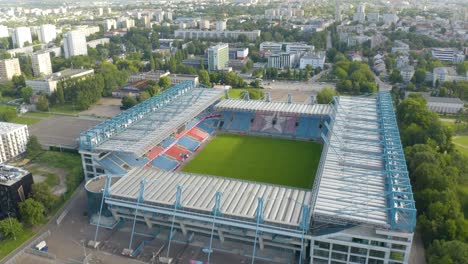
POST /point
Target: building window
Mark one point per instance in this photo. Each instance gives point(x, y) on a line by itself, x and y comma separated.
point(376, 253)
point(99, 170)
point(89, 168)
point(320, 244)
point(375, 261)
point(341, 248)
point(321, 253)
point(356, 259)
point(339, 256)
point(359, 251)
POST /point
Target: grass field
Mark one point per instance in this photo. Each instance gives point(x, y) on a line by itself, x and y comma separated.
point(461, 143)
point(269, 160)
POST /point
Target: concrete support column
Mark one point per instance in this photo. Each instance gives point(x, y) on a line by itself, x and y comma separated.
point(148, 222)
point(115, 215)
point(260, 243)
point(221, 236)
point(183, 228)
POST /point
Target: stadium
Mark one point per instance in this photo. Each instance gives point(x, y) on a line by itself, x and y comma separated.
point(279, 181)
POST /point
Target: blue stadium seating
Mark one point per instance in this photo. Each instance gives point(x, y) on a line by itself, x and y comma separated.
point(188, 143)
point(308, 127)
point(132, 160)
point(116, 159)
point(206, 128)
point(167, 142)
point(192, 123)
point(110, 166)
point(164, 163)
point(241, 121)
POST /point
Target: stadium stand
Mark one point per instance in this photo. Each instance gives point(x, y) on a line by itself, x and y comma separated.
point(240, 121)
point(207, 126)
point(110, 165)
point(198, 134)
point(167, 142)
point(188, 143)
point(131, 159)
point(177, 152)
point(154, 152)
point(165, 163)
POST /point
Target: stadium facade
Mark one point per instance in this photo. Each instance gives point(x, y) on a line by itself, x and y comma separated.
point(359, 210)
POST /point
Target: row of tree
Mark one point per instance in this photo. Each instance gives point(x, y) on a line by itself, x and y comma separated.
point(353, 77)
point(437, 171)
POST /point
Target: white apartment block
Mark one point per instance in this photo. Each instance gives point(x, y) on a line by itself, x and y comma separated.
point(125, 22)
point(316, 60)
point(9, 68)
point(47, 33)
point(74, 43)
point(298, 47)
point(204, 24)
point(221, 25)
point(3, 31)
point(13, 140)
point(20, 36)
point(218, 57)
point(41, 63)
point(48, 84)
point(283, 60)
point(390, 18)
point(448, 55)
point(407, 73)
point(447, 74)
point(96, 42)
point(200, 34)
point(109, 24)
point(271, 46)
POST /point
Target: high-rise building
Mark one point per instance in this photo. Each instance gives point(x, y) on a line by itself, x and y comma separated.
point(13, 140)
point(3, 31)
point(337, 11)
point(41, 63)
point(221, 25)
point(74, 43)
point(20, 36)
point(100, 11)
point(110, 24)
point(47, 33)
point(218, 57)
point(9, 68)
point(204, 24)
point(360, 14)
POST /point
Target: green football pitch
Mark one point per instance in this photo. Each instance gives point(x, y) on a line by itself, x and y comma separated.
point(270, 160)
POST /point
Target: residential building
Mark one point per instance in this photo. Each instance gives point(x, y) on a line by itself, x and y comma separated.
point(337, 11)
point(96, 42)
point(271, 46)
point(178, 78)
point(41, 63)
point(47, 33)
point(204, 24)
point(390, 18)
point(48, 84)
point(447, 74)
point(360, 14)
point(9, 68)
point(407, 73)
point(448, 55)
point(3, 31)
point(298, 47)
point(400, 46)
point(218, 57)
point(373, 17)
point(88, 30)
point(221, 25)
point(282, 60)
point(125, 22)
point(13, 140)
point(146, 21)
point(110, 24)
point(315, 59)
point(74, 43)
point(15, 187)
point(200, 34)
point(238, 53)
point(20, 36)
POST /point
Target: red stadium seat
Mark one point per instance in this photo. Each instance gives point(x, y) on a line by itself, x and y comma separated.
point(176, 151)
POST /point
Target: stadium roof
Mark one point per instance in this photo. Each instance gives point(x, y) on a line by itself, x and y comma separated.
point(275, 107)
point(145, 125)
point(282, 205)
point(362, 177)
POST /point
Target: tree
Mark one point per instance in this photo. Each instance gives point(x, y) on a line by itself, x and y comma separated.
point(325, 96)
point(453, 252)
point(42, 103)
point(113, 78)
point(31, 211)
point(144, 95)
point(60, 94)
point(11, 227)
point(462, 68)
point(204, 77)
point(42, 193)
point(7, 114)
point(419, 76)
point(164, 82)
point(26, 93)
point(33, 147)
point(128, 102)
point(18, 82)
point(396, 77)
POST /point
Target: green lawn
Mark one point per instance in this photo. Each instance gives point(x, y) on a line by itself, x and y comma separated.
point(25, 120)
point(7, 246)
point(461, 143)
point(65, 109)
point(38, 114)
point(269, 160)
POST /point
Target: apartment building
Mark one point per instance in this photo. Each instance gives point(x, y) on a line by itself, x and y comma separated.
point(13, 140)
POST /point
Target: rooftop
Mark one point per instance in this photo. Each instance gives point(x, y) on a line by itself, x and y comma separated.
point(56, 76)
point(8, 127)
point(363, 177)
point(275, 107)
point(282, 205)
point(10, 175)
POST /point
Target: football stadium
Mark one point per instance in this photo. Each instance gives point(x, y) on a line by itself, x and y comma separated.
point(281, 182)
